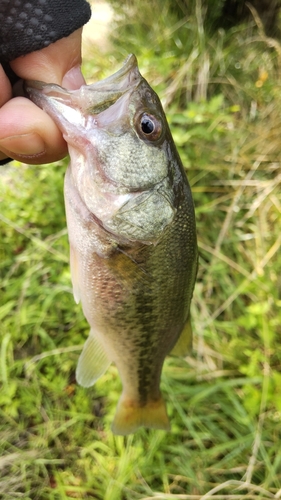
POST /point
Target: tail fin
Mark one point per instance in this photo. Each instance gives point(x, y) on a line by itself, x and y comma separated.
point(130, 416)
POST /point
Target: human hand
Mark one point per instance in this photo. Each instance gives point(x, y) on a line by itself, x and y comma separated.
point(27, 133)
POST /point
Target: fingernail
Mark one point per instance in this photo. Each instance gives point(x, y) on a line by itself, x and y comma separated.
point(73, 79)
point(25, 144)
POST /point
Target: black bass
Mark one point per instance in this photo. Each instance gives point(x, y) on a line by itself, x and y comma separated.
point(132, 234)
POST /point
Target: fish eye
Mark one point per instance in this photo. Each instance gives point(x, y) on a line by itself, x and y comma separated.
point(149, 127)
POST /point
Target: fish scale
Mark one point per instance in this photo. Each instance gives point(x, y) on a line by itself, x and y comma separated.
point(132, 234)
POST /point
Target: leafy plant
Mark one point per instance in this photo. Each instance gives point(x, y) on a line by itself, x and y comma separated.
point(222, 98)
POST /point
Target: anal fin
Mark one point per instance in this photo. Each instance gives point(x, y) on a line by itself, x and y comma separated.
point(130, 416)
point(92, 363)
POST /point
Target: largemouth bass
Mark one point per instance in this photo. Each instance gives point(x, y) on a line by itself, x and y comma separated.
point(131, 226)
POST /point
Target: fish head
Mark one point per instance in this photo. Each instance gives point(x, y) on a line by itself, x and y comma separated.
point(120, 148)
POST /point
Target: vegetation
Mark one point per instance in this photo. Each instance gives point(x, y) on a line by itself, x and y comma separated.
point(222, 95)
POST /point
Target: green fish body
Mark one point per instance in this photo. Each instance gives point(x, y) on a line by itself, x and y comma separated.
point(132, 234)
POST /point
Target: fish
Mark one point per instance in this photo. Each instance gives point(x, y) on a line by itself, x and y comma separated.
point(132, 235)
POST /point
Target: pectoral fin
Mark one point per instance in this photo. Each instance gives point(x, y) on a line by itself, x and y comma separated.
point(184, 342)
point(92, 363)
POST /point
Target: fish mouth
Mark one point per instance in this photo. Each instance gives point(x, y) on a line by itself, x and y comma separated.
point(89, 98)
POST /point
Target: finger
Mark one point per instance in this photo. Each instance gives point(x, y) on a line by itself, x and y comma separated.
point(53, 63)
point(5, 87)
point(5, 95)
point(3, 157)
point(27, 134)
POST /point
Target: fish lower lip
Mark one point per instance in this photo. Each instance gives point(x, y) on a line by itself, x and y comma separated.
point(97, 97)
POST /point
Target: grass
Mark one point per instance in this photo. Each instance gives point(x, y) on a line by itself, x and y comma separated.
point(222, 98)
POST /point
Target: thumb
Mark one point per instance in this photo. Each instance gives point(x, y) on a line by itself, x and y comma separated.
point(58, 63)
point(27, 133)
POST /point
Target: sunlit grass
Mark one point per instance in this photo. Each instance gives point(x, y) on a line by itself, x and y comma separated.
point(222, 97)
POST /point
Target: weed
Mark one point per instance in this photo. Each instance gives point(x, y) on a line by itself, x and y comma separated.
point(222, 98)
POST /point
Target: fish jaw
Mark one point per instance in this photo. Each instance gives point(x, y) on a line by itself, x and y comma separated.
point(89, 98)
